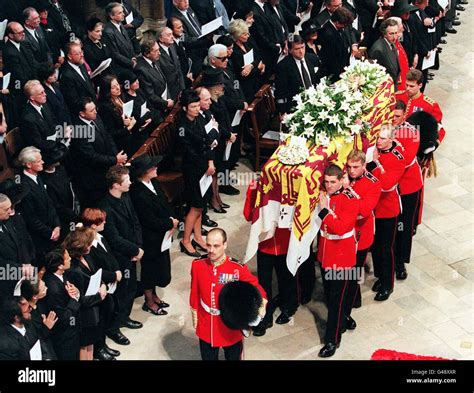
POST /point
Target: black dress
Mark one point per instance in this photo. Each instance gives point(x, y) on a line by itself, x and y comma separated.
point(154, 212)
point(114, 125)
point(94, 54)
point(80, 275)
point(197, 153)
point(251, 82)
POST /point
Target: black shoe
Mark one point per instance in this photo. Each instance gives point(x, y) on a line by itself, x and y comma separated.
point(383, 294)
point(431, 74)
point(206, 221)
point(459, 7)
point(160, 311)
point(456, 23)
point(229, 190)
point(350, 324)
point(196, 245)
point(305, 300)
point(357, 303)
point(162, 304)
point(119, 338)
point(204, 232)
point(258, 331)
point(402, 274)
point(111, 351)
point(442, 41)
point(328, 350)
point(102, 354)
point(464, 2)
point(225, 205)
point(451, 30)
point(132, 324)
point(377, 285)
point(219, 210)
point(283, 318)
point(194, 254)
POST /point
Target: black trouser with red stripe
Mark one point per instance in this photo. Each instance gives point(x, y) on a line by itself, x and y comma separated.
point(335, 291)
point(407, 221)
point(383, 251)
point(353, 292)
point(232, 352)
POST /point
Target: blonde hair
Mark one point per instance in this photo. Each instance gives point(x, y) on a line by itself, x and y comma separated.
point(237, 27)
point(30, 86)
point(356, 155)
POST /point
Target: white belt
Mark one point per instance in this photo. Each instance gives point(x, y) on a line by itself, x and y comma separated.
point(359, 217)
point(391, 189)
point(411, 163)
point(337, 237)
point(212, 311)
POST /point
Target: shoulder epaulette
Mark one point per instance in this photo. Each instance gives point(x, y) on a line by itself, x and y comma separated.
point(371, 177)
point(236, 261)
point(397, 154)
point(428, 100)
point(353, 192)
point(350, 194)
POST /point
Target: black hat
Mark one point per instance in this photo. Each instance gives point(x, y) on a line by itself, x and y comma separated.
point(212, 77)
point(428, 127)
point(239, 302)
point(308, 28)
point(52, 152)
point(143, 163)
point(13, 190)
point(41, 5)
point(127, 76)
point(243, 9)
point(402, 7)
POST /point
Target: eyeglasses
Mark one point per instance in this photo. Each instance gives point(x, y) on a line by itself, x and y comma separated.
point(224, 58)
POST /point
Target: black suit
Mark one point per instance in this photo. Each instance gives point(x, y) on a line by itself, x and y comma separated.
point(171, 67)
point(56, 20)
point(21, 63)
point(36, 128)
point(409, 42)
point(289, 81)
point(92, 158)
point(13, 345)
point(75, 87)
point(152, 82)
point(65, 333)
point(104, 259)
point(95, 55)
point(335, 51)
point(40, 216)
point(386, 56)
point(39, 46)
point(113, 122)
point(124, 234)
point(57, 104)
point(16, 249)
point(120, 44)
point(154, 213)
point(42, 331)
point(204, 10)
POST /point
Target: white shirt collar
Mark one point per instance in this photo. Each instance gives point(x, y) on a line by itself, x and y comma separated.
point(31, 31)
point(17, 44)
point(148, 60)
point(165, 48)
point(31, 176)
point(260, 4)
point(89, 122)
point(22, 330)
point(61, 277)
point(77, 68)
point(37, 107)
point(98, 240)
point(149, 185)
point(117, 25)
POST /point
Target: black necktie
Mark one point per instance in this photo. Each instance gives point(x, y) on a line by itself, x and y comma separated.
point(306, 78)
point(195, 25)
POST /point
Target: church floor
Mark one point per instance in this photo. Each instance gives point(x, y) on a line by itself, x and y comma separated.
point(431, 313)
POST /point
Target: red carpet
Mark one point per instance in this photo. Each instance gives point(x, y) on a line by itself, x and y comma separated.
point(387, 354)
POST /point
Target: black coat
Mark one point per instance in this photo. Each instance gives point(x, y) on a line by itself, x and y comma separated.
point(65, 333)
point(20, 63)
point(75, 88)
point(114, 125)
point(334, 53)
point(152, 83)
point(42, 331)
point(170, 65)
point(289, 82)
point(57, 104)
point(409, 42)
point(80, 275)
point(120, 45)
point(14, 346)
point(263, 30)
point(39, 214)
point(16, 249)
point(386, 57)
point(154, 214)
point(122, 229)
point(40, 48)
point(420, 31)
point(105, 260)
point(94, 55)
point(36, 129)
point(93, 157)
point(204, 10)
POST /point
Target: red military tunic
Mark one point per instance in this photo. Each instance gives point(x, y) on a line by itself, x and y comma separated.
point(422, 103)
point(409, 138)
point(337, 243)
point(368, 189)
point(207, 281)
point(404, 66)
point(390, 167)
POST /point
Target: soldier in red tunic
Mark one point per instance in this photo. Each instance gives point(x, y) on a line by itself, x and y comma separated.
point(411, 185)
point(368, 188)
point(415, 100)
point(336, 252)
point(208, 276)
point(388, 166)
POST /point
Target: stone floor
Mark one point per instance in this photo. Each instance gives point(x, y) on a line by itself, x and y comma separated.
point(431, 313)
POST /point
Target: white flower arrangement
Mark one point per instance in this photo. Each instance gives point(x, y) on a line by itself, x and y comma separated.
point(292, 154)
point(326, 112)
point(364, 76)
